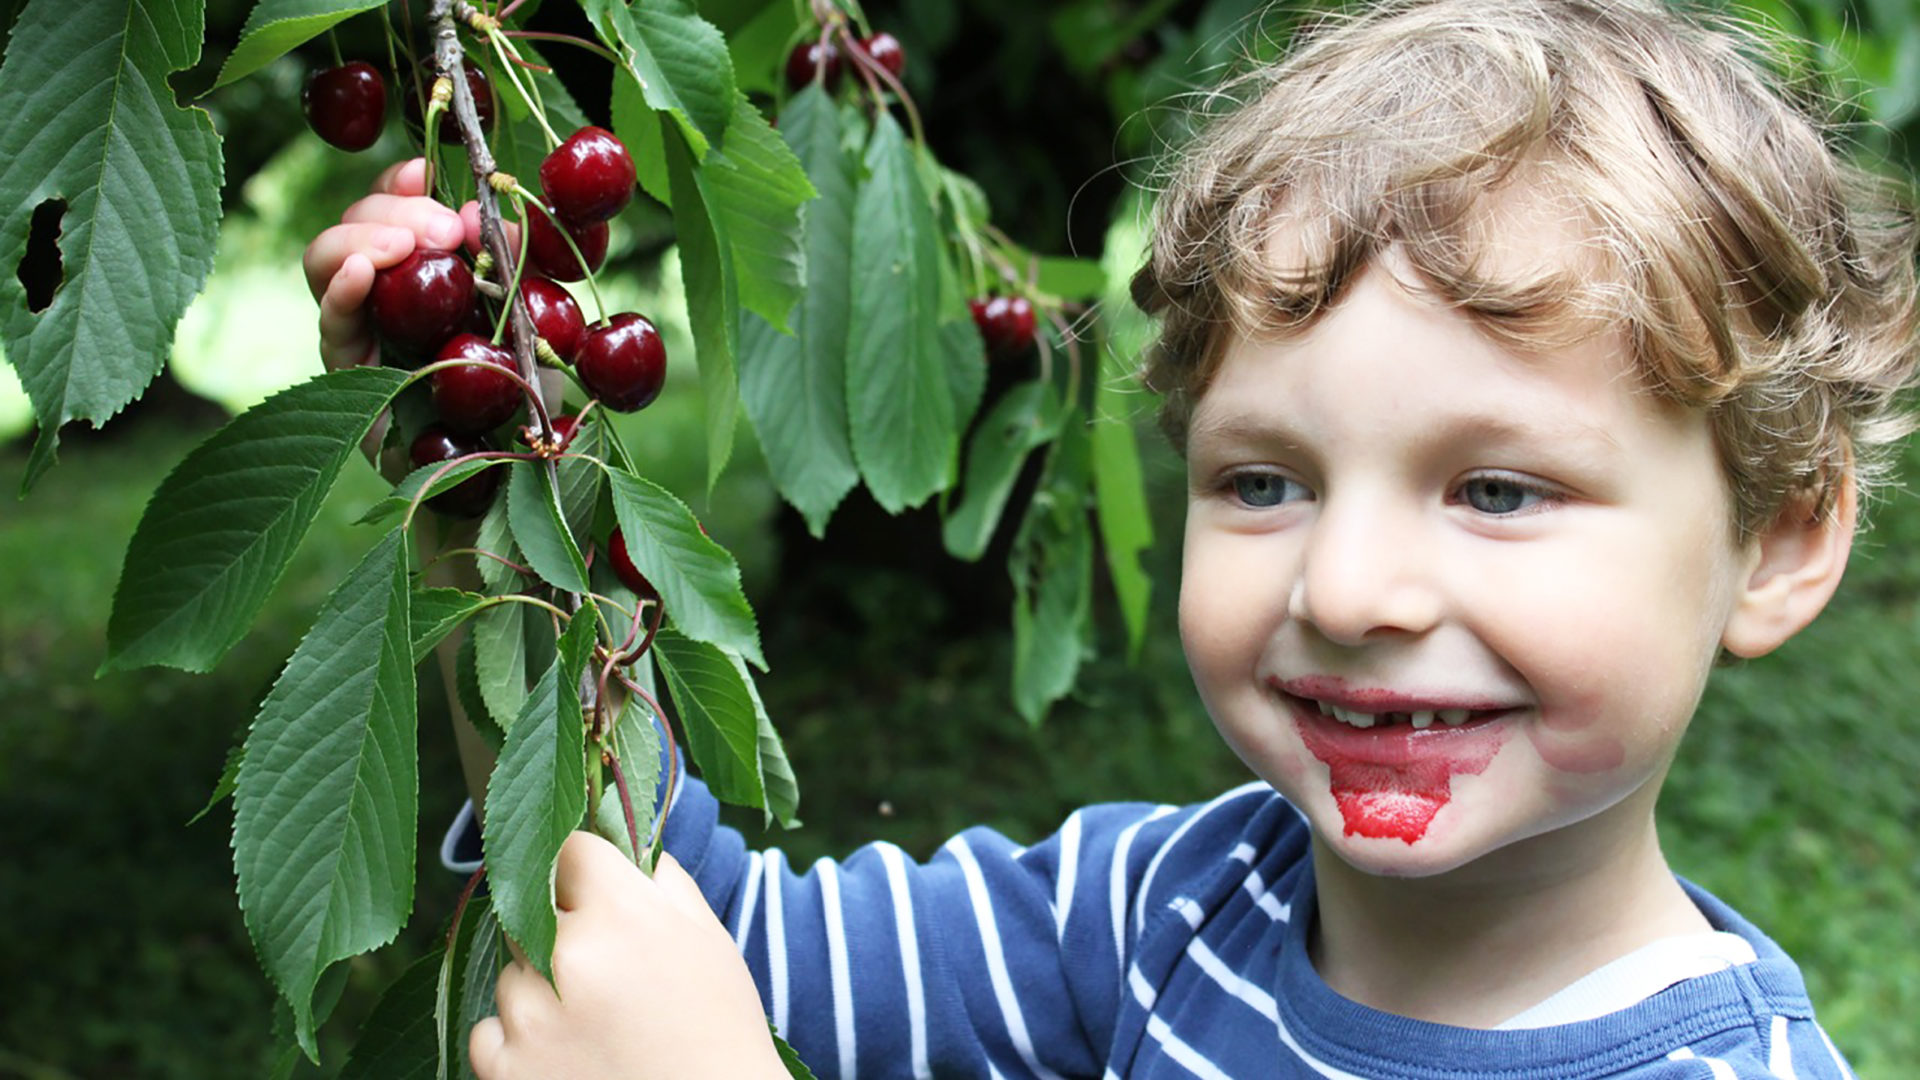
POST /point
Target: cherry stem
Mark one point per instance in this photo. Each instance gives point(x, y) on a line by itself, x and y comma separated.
point(568, 39)
point(626, 802)
point(522, 197)
point(511, 7)
point(460, 906)
point(333, 43)
point(871, 69)
point(420, 496)
point(509, 55)
point(495, 556)
point(512, 298)
point(522, 598)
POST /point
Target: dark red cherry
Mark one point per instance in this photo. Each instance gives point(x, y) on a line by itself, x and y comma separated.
point(478, 395)
point(346, 105)
point(470, 497)
point(589, 177)
point(623, 568)
point(622, 361)
point(814, 58)
point(556, 315)
point(548, 252)
point(1006, 323)
point(418, 302)
point(884, 49)
point(483, 103)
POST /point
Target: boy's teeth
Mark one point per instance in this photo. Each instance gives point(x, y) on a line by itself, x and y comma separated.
point(1453, 716)
point(1357, 719)
point(1422, 719)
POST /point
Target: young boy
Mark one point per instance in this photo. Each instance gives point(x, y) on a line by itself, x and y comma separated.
point(1526, 357)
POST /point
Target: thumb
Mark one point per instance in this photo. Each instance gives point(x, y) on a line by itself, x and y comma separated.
point(681, 891)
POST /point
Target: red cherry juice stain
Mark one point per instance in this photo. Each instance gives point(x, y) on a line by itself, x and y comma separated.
point(1389, 782)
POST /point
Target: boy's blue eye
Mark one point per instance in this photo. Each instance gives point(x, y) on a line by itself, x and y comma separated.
point(1262, 489)
point(1499, 495)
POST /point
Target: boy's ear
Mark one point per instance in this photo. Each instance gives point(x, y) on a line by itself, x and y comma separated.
point(1793, 567)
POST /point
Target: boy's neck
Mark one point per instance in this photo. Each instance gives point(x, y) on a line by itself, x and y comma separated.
point(1482, 943)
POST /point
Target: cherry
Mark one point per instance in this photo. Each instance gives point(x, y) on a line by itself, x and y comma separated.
point(1006, 322)
point(623, 568)
point(346, 105)
point(556, 315)
point(884, 49)
point(814, 59)
point(564, 429)
point(419, 301)
point(470, 497)
point(548, 252)
point(476, 396)
point(422, 86)
point(623, 362)
point(589, 177)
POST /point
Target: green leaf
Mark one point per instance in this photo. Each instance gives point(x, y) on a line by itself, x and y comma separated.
point(220, 530)
point(224, 786)
point(697, 579)
point(91, 122)
point(1120, 506)
point(726, 726)
point(713, 304)
point(637, 125)
point(1074, 279)
point(435, 614)
point(899, 404)
point(500, 661)
point(481, 975)
point(754, 188)
point(795, 386)
point(327, 798)
point(466, 689)
point(1026, 417)
point(536, 796)
point(966, 366)
point(1052, 569)
point(636, 743)
point(796, 1068)
point(396, 502)
point(540, 528)
point(496, 536)
point(399, 1040)
point(581, 481)
point(275, 27)
point(679, 59)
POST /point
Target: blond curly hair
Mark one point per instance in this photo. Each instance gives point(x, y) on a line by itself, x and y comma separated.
point(1760, 276)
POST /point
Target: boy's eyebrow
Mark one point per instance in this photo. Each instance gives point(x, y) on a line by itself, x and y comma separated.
point(1243, 427)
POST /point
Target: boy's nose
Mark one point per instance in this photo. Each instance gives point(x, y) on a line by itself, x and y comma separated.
point(1366, 575)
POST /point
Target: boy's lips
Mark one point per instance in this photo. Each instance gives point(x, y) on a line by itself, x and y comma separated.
point(1391, 779)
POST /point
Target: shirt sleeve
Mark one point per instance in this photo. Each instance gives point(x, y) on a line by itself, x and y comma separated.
point(988, 959)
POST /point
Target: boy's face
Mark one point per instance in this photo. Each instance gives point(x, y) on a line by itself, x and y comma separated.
point(1509, 574)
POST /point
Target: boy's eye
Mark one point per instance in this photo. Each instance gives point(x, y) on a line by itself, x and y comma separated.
point(1501, 495)
point(1264, 489)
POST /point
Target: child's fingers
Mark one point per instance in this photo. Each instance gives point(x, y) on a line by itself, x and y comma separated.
point(487, 1047)
point(680, 890)
point(436, 226)
point(381, 245)
point(590, 867)
point(407, 177)
point(344, 337)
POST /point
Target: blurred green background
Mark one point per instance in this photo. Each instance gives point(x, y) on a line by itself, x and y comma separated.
point(125, 956)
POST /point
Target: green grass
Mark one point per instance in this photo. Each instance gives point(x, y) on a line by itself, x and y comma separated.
point(1793, 797)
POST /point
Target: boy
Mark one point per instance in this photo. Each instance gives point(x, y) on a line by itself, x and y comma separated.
point(1525, 357)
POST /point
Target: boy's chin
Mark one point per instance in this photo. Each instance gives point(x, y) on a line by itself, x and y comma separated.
point(1391, 841)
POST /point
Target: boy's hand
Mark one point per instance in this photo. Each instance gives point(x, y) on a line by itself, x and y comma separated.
point(650, 984)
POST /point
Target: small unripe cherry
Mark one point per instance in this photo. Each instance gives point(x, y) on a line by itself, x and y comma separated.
point(884, 49)
point(1006, 323)
point(624, 569)
point(622, 361)
point(556, 315)
point(589, 177)
point(547, 247)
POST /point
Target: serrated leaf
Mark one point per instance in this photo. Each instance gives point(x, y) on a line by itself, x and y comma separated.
point(796, 1068)
point(327, 799)
point(500, 661)
point(466, 689)
point(91, 120)
point(276, 27)
point(496, 536)
point(965, 365)
point(1052, 569)
point(540, 528)
point(795, 386)
point(713, 304)
point(637, 125)
point(435, 614)
point(229, 773)
point(1025, 418)
point(636, 744)
point(899, 403)
point(697, 579)
point(396, 502)
point(482, 974)
point(726, 726)
point(679, 60)
point(536, 796)
point(581, 481)
point(398, 1040)
point(754, 188)
point(222, 526)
